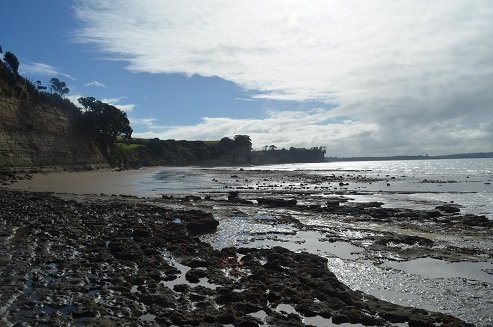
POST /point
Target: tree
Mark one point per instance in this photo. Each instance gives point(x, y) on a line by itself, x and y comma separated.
point(243, 141)
point(155, 147)
point(58, 87)
point(11, 61)
point(107, 121)
point(40, 86)
point(226, 144)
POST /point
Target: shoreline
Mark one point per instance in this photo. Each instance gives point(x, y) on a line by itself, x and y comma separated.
point(347, 227)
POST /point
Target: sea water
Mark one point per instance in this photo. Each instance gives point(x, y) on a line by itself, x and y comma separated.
point(415, 184)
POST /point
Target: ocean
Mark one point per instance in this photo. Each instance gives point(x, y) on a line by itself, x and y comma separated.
point(415, 184)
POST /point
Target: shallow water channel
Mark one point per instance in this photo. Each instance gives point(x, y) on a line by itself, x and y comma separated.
point(463, 289)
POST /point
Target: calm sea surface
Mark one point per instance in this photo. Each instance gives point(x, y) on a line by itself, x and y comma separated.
point(415, 183)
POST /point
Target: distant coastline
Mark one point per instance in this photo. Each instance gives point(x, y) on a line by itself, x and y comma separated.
point(477, 155)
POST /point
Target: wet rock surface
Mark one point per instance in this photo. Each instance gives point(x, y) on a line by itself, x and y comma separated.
point(108, 261)
point(443, 257)
point(7, 178)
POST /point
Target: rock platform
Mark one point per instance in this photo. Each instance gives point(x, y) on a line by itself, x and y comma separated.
point(114, 261)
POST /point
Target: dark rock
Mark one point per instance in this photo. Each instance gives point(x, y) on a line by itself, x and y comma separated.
point(420, 323)
point(226, 318)
point(84, 314)
point(246, 307)
point(247, 323)
point(192, 198)
point(277, 202)
point(198, 221)
point(340, 319)
point(125, 250)
point(141, 233)
point(374, 204)
point(448, 208)
point(404, 239)
point(197, 262)
point(122, 243)
point(234, 197)
point(181, 288)
point(194, 275)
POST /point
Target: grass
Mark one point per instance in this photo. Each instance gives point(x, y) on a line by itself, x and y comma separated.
point(131, 146)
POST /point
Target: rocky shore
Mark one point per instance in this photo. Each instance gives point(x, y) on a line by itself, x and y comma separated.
point(127, 261)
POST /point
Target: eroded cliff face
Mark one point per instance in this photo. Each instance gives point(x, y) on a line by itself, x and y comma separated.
point(37, 136)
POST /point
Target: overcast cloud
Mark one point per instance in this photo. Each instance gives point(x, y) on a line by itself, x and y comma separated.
point(406, 76)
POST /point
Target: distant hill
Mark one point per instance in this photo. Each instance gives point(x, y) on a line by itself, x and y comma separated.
point(419, 157)
point(225, 152)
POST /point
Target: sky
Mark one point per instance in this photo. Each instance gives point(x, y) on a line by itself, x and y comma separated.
point(363, 78)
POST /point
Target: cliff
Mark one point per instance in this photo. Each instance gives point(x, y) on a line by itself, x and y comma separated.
point(39, 135)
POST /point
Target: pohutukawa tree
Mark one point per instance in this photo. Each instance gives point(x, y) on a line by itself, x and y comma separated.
point(40, 86)
point(105, 120)
point(58, 87)
point(11, 61)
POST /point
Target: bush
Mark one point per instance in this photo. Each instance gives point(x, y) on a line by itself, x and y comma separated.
point(11, 61)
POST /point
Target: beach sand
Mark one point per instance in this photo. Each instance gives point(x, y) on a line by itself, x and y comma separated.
point(125, 182)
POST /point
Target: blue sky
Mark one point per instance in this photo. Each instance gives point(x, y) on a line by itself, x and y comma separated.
point(365, 78)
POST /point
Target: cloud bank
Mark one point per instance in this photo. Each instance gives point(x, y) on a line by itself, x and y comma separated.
point(277, 128)
point(407, 76)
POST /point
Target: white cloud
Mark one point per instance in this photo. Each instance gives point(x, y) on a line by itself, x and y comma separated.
point(417, 72)
point(129, 107)
point(284, 129)
point(96, 84)
point(74, 99)
point(42, 69)
point(318, 128)
point(117, 103)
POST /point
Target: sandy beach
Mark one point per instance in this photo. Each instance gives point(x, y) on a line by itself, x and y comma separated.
point(88, 182)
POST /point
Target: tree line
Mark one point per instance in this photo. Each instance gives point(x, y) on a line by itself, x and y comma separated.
point(225, 152)
point(271, 155)
point(153, 152)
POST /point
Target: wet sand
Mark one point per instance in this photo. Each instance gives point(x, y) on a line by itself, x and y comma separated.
point(88, 182)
